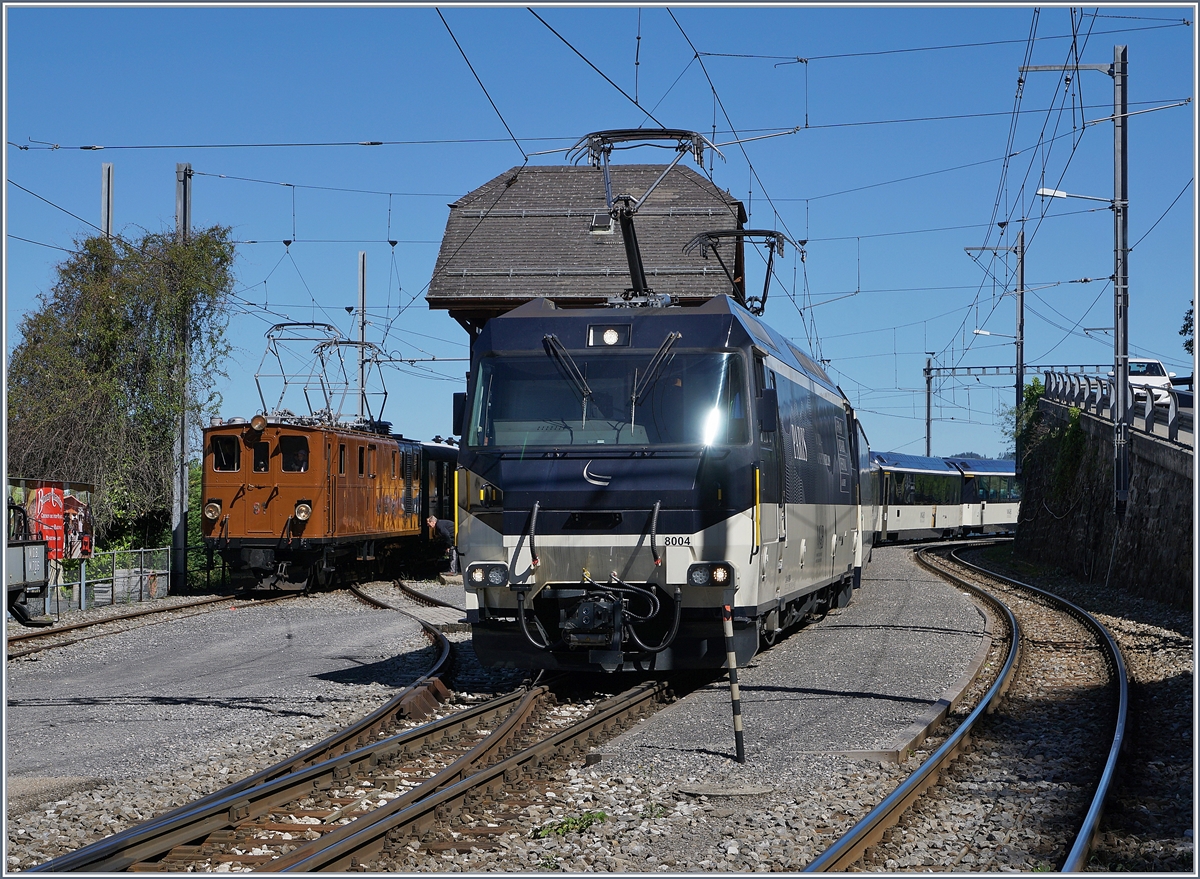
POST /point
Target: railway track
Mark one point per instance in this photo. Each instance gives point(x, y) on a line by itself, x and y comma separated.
point(341, 811)
point(27, 643)
point(1062, 675)
point(155, 838)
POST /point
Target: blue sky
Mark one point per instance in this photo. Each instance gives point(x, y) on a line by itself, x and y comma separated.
point(899, 165)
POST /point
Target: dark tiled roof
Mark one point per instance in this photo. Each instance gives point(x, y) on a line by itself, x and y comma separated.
point(532, 232)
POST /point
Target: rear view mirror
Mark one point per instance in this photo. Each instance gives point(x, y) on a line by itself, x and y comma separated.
point(768, 411)
point(460, 409)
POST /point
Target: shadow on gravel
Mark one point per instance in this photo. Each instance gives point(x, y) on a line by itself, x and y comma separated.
point(786, 692)
point(279, 706)
point(397, 671)
point(890, 627)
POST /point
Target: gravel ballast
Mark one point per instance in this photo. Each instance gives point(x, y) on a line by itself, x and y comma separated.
point(674, 799)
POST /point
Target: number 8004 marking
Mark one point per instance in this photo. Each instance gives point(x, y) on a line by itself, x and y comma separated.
point(677, 541)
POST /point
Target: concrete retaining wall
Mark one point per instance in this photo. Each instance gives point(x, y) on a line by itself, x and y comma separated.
point(1067, 516)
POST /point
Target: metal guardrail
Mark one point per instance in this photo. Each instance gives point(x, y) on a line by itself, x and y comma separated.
point(1094, 394)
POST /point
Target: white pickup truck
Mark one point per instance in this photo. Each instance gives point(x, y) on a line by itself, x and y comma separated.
point(1149, 375)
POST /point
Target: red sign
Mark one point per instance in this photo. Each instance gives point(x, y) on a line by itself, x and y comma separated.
point(46, 520)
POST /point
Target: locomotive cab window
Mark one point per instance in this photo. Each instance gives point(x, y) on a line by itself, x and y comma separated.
point(393, 464)
point(262, 457)
point(225, 453)
point(371, 461)
point(615, 399)
point(341, 459)
point(361, 460)
point(294, 450)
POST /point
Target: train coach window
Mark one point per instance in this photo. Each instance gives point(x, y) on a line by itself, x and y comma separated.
point(262, 457)
point(225, 453)
point(294, 450)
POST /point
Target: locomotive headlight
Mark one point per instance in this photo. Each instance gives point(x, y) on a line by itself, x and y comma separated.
point(212, 509)
point(487, 575)
point(611, 337)
point(258, 423)
point(303, 511)
point(718, 574)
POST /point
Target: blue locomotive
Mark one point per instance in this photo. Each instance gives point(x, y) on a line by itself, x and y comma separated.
point(623, 471)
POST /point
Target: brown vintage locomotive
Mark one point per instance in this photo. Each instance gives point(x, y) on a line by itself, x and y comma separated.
point(291, 501)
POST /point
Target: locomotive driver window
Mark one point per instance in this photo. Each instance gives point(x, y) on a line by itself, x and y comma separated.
point(225, 453)
point(606, 398)
point(294, 450)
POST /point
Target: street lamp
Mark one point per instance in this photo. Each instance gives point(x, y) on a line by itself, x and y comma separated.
point(1058, 193)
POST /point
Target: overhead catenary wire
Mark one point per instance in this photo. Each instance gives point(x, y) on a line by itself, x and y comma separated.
point(585, 60)
point(1174, 22)
point(471, 67)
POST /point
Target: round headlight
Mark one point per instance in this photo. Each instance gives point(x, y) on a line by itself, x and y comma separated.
point(303, 511)
point(497, 576)
point(211, 511)
point(720, 574)
point(259, 423)
point(699, 575)
point(610, 337)
point(477, 575)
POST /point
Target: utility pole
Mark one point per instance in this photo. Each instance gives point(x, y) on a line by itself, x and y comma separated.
point(928, 403)
point(183, 227)
point(106, 199)
point(1122, 405)
point(362, 334)
point(1019, 250)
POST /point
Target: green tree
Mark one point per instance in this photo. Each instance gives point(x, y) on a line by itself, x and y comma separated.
point(96, 384)
point(1188, 331)
point(1016, 421)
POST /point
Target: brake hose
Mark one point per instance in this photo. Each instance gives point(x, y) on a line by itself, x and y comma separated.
point(532, 531)
point(525, 626)
point(670, 636)
point(653, 532)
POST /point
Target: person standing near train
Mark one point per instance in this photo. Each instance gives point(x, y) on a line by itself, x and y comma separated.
point(441, 531)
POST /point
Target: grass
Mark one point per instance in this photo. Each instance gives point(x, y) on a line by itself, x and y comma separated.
point(573, 824)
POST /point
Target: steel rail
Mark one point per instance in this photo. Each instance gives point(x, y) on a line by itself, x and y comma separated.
point(419, 596)
point(870, 829)
point(357, 735)
point(89, 624)
point(229, 806)
point(349, 845)
point(1077, 858)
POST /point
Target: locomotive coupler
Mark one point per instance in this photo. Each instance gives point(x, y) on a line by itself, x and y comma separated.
point(594, 622)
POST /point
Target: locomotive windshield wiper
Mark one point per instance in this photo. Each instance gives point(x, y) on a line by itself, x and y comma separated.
point(556, 350)
point(640, 386)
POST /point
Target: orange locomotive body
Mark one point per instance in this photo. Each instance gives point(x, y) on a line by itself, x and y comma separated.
point(291, 501)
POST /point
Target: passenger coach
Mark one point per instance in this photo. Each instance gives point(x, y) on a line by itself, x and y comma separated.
point(926, 498)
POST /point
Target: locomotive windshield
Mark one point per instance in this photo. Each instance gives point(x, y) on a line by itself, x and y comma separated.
point(535, 400)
